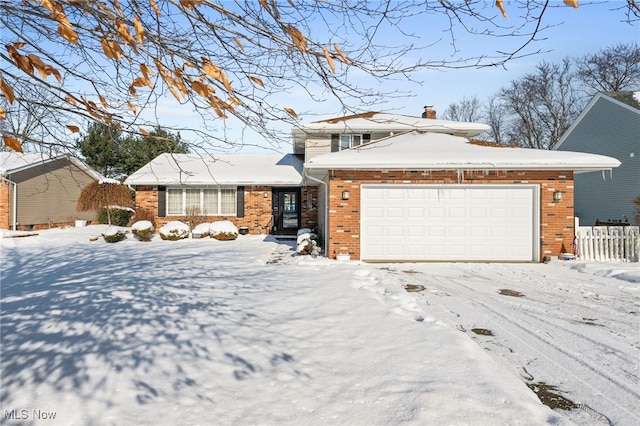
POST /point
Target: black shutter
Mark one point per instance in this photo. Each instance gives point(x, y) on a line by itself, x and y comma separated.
point(335, 142)
point(240, 198)
point(162, 201)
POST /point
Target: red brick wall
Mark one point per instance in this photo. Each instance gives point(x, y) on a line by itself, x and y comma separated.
point(257, 208)
point(5, 206)
point(556, 219)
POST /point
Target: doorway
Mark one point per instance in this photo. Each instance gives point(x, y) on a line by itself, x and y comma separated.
point(286, 210)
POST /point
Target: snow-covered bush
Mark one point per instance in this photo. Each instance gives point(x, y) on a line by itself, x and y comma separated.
point(308, 243)
point(174, 230)
point(223, 230)
point(201, 230)
point(113, 234)
point(143, 230)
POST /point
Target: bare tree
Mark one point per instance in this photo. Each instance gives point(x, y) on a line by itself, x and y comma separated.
point(544, 104)
point(613, 69)
point(110, 60)
point(496, 116)
point(468, 109)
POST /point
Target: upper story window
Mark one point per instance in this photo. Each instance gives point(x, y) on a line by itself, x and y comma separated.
point(346, 141)
point(210, 201)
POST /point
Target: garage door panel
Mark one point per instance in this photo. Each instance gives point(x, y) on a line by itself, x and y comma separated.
point(448, 222)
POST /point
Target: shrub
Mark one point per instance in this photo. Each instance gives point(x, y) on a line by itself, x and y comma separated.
point(201, 230)
point(194, 217)
point(307, 243)
point(113, 235)
point(143, 230)
point(119, 217)
point(223, 230)
point(225, 236)
point(174, 230)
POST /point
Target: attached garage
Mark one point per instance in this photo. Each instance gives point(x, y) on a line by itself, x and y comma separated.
point(436, 197)
point(449, 222)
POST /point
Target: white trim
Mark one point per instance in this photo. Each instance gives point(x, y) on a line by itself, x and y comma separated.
point(201, 189)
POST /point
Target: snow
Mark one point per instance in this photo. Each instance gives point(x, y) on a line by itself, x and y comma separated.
point(12, 162)
point(223, 227)
point(220, 169)
point(384, 122)
point(175, 228)
point(142, 225)
point(432, 151)
point(200, 331)
point(113, 230)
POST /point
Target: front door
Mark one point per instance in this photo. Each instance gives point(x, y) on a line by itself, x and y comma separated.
point(286, 210)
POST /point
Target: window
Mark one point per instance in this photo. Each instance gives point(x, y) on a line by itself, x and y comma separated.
point(211, 201)
point(341, 142)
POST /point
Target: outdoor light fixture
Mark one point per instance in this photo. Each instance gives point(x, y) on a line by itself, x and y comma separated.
point(557, 196)
point(266, 195)
point(345, 195)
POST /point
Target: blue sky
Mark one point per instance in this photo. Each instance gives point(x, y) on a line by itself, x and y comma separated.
point(574, 33)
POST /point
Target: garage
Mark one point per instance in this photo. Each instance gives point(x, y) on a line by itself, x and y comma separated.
point(456, 222)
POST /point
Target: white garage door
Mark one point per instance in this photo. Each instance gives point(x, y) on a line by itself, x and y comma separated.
point(449, 222)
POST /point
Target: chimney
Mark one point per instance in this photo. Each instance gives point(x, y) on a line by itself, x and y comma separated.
point(429, 112)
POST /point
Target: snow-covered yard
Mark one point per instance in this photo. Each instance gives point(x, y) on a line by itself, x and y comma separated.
point(200, 331)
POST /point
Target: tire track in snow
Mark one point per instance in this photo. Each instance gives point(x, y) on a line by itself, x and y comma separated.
point(612, 394)
point(547, 340)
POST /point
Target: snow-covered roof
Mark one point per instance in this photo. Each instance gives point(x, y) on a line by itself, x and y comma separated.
point(13, 162)
point(420, 151)
point(220, 169)
point(384, 122)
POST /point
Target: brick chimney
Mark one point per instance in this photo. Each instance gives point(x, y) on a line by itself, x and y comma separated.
point(429, 112)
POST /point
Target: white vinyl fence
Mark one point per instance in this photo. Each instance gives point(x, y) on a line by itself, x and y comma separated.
point(608, 243)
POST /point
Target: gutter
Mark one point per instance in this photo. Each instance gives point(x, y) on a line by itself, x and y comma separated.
point(326, 211)
point(14, 207)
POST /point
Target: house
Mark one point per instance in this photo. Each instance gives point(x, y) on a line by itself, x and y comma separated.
point(385, 187)
point(609, 125)
point(263, 192)
point(40, 191)
point(338, 134)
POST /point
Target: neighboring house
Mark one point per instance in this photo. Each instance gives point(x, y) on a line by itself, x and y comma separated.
point(264, 192)
point(40, 191)
point(384, 187)
point(609, 125)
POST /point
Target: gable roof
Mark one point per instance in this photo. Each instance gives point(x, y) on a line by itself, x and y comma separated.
point(220, 169)
point(627, 100)
point(432, 151)
point(383, 122)
point(13, 162)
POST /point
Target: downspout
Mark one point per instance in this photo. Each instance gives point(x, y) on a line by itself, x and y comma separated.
point(14, 209)
point(326, 211)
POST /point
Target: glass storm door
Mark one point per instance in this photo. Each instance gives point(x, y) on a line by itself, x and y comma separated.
point(286, 210)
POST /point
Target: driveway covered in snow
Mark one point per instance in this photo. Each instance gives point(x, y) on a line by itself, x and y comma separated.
point(243, 332)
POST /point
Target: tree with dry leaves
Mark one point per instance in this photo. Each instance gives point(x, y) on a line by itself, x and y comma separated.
point(104, 195)
point(113, 61)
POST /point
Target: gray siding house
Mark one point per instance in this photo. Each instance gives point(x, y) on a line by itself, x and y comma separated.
point(609, 125)
point(38, 191)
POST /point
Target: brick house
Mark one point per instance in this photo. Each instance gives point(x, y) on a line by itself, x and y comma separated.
point(385, 187)
point(38, 191)
point(429, 196)
point(262, 192)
